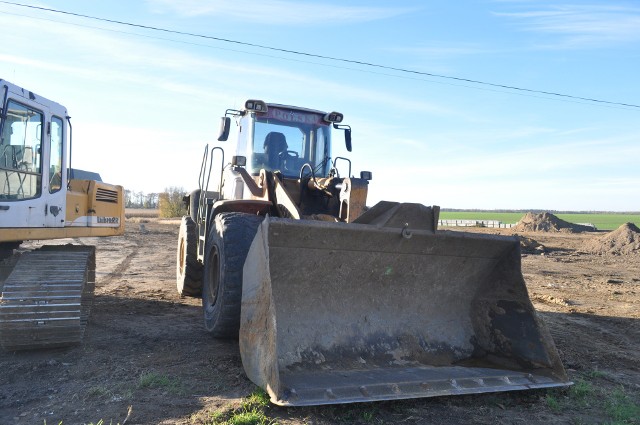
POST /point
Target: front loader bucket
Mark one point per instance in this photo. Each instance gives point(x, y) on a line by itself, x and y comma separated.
point(342, 313)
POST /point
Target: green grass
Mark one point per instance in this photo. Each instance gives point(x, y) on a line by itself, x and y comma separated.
point(553, 402)
point(250, 412)
point(258, 399)
point(249, 417)
point(156, 380)
point(602, 221)
point(620, 406)
point(582, 393)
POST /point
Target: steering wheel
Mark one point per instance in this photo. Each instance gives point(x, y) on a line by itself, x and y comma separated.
point(286, 155)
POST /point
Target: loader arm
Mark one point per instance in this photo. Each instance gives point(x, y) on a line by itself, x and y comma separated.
point(308, 198)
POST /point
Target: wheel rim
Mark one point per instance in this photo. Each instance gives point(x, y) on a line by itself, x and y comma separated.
point(181, 259)
point(213, 277)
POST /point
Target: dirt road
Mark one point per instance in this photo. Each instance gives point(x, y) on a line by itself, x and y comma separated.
point(146, 348)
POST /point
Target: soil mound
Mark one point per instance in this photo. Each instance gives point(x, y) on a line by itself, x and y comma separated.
point(547, 222)
point(624, 240)
point(530, 246)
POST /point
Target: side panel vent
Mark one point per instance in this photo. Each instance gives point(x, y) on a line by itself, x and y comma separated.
point(106, 195)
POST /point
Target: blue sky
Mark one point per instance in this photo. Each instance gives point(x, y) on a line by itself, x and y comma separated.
point(144, 103)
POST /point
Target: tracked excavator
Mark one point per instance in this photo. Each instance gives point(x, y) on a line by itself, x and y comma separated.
point(46, 293)
point(334, 302)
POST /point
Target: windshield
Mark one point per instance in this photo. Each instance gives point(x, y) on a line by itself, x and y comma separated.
point(284, 140)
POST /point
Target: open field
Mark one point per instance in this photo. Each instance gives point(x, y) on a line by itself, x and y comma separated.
point(602, 221)
point(141, 213)
point(146, 348)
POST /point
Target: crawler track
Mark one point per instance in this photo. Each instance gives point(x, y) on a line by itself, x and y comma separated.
point(47, 298)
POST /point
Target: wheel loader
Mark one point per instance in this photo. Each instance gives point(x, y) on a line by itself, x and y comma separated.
point(334, 302)
point(46, 292)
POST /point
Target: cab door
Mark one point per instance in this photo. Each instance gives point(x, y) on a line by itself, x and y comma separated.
point(25, 143)
point(55, 176)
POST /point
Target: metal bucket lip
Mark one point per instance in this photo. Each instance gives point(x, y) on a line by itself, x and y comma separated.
point(348, 386)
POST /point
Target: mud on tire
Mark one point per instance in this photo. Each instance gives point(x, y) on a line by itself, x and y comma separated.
point(228, 243)
point(188, 269)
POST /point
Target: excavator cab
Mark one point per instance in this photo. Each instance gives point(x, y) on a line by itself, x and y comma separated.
point(45, 299)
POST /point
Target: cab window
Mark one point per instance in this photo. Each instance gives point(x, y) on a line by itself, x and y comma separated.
point(20, 154)
point(55, 167)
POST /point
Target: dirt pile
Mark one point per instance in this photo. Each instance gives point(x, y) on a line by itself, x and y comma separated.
point(624, 240)
point(547, 222)
point(530, 246)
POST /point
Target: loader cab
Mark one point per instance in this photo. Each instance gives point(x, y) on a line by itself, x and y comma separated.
point(33, 131)
point(284, 138)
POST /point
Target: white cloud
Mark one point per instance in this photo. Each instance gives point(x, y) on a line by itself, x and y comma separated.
point(110, 57)
point(276, 12)
point(433, 50)
point(579, 26)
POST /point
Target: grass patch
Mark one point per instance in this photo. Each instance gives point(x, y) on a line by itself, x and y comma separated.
point(621, 408)
point(595, 374)
point(582, 393)
point(618, 406)
point(118, 393)
point(99, 392)
point(258, 399)
point(249, 417)
point(251, 412)
point(156, 380)
point(553, 402)
point(581, 390)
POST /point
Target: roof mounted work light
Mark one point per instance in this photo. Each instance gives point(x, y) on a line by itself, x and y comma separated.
point(334, 117)
point(255, 106)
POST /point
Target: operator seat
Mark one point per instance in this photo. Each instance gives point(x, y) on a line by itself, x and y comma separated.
point(274, 144)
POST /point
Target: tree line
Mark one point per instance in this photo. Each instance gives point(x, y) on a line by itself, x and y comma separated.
point(169, 203)
point(133, 199)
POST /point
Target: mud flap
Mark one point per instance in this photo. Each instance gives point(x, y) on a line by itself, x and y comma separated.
point(341, 313)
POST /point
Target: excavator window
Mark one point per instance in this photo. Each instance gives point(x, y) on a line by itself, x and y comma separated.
point(55, 166)
point(20, 155)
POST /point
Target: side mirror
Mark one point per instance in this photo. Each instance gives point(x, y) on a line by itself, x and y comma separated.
point(347, 134)
point(347, 138)
point(225, 125)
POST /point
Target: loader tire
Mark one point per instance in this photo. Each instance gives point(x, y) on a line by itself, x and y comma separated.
point(226, 250)
point(194, 202)
point(188, 269)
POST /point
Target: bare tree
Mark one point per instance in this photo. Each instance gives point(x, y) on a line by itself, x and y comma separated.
point(170, 202)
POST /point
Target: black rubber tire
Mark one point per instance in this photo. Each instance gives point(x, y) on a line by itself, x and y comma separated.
point(188, 269)
point(194, 201)
point(227, 246)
